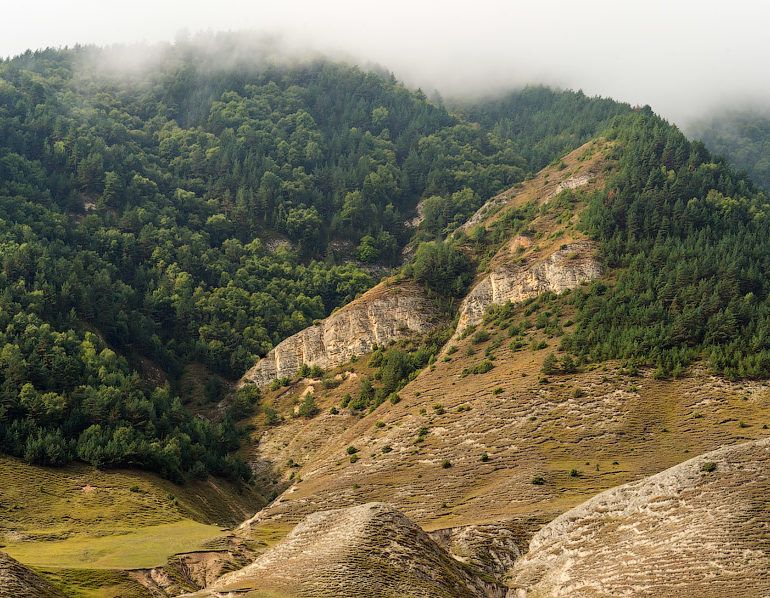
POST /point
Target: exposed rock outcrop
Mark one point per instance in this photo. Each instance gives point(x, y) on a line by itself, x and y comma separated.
point(370, 550)
point(574, 182)
point(383, 314)
point(20, 582)
point(191, 571)
point(700, 528)
point(566, 268)
point(492, 548)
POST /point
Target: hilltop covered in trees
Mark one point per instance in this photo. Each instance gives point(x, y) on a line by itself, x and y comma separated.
point(690, 241)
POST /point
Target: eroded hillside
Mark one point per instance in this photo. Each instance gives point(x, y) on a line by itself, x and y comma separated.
point(491, 442)
point(18, 580)
point(366, 550)
point(697, 529)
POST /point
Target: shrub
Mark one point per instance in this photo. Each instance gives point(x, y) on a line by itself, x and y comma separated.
point(568, 365)
point(280, 382)
point(446, 464)
point(484, 457)
point(708, 467)
point(271, 416)
point(351, 450)
point(480, 337)
point(308, 407)
point(329, 383)
point(550, 365)
point(480, 368)
point(538, 480)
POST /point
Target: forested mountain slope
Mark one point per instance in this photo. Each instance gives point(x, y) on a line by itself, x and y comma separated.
point(520, 339)
point(199, 210)
point(741, 136)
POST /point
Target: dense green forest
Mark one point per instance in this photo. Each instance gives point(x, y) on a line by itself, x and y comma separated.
point(690, 240)
point(742, 136)
point(201, 210)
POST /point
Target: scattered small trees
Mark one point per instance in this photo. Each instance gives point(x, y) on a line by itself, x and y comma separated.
point(550, 365)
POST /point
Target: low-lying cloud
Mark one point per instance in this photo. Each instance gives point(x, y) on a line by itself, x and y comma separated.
point(684, 58)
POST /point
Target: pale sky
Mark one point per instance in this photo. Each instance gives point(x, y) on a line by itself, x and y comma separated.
point(682, 57)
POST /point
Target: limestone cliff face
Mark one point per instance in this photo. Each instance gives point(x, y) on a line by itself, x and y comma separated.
point(384, 314)
point(566, 268)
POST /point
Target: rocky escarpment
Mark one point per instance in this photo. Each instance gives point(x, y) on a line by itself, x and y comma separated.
point(566, 268)
point(19, 581)
point(701, 528)
point(386, 313)
point(370, 550)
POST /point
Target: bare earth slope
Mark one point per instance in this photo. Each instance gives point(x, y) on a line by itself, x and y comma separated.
point(690, 530)
point(370, 550)
point(20, 582)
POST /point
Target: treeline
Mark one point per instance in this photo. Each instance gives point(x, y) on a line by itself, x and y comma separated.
point(689, 238)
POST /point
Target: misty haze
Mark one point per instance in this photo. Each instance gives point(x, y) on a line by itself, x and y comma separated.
point(393, 300)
